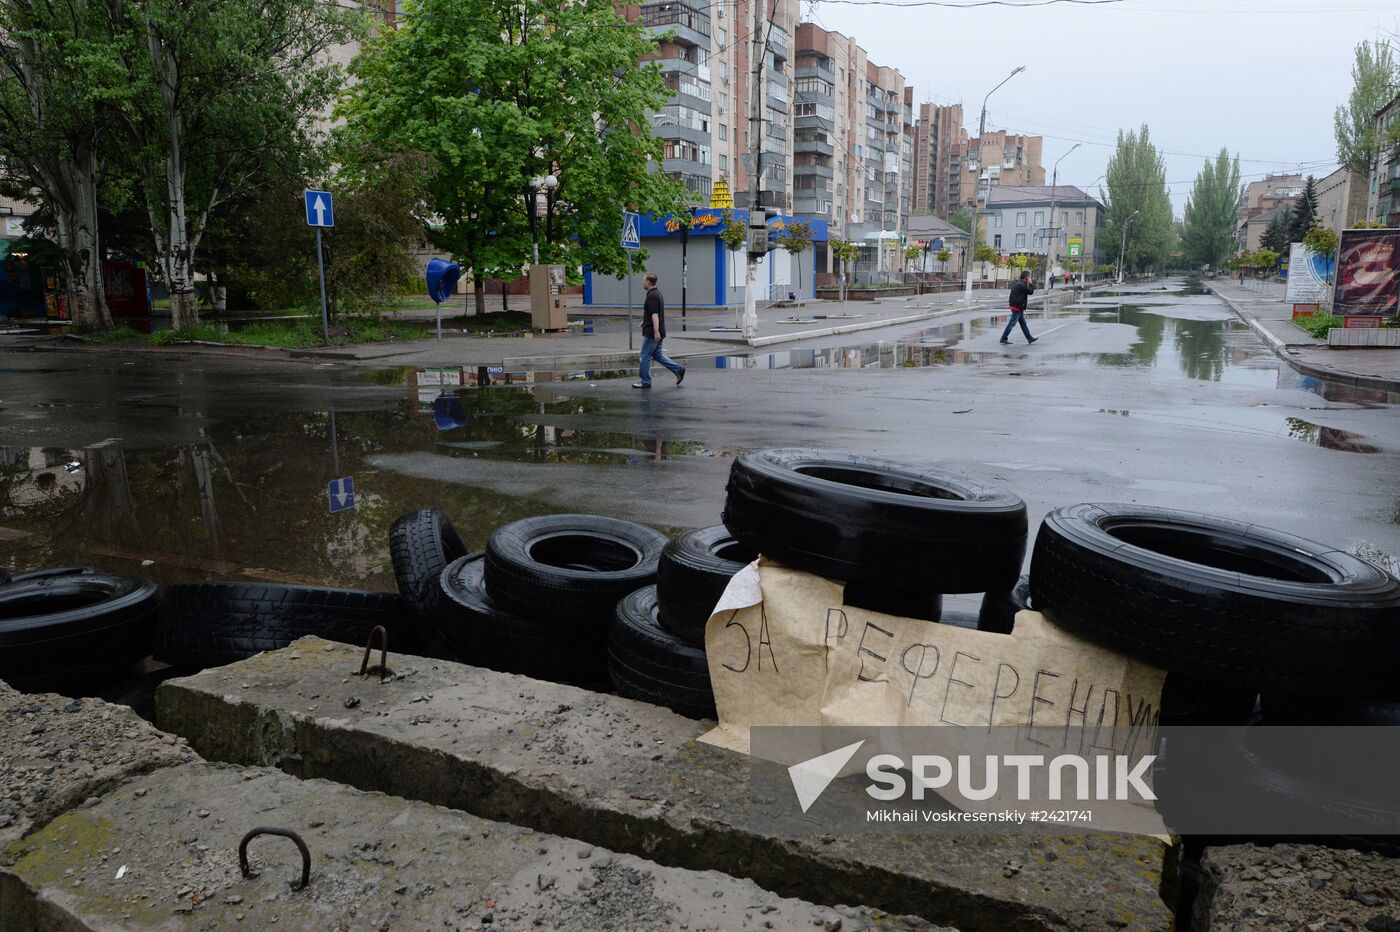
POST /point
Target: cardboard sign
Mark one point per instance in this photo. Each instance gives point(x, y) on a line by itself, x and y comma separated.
point(784, 649)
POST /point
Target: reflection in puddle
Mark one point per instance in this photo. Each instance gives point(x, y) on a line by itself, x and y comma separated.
point(1209, 349)
point(249, 501)
point(1253, 421)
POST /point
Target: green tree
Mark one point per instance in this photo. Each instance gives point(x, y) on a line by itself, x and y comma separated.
point(1374, 75)
point(1322, 241)
point(1266, 259)
point(962, 219)
point(1275, 236)
point(1137, 201)
point(797, 239)
point(1304, 213)
point(495, 94)
point(845, 252)
point(943, 255)
point(1212, 211)
point(222, 91)
point(59, 77)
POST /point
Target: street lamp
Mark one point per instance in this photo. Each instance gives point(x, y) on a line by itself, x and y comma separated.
point(1054, 241)
point(1123, 244)
point(977, 188)
point(547, 183)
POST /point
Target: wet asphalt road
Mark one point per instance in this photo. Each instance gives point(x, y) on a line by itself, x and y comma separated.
point(189, 468)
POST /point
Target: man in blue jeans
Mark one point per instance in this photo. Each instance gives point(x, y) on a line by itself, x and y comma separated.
point(1020, 294)
point(653, 332)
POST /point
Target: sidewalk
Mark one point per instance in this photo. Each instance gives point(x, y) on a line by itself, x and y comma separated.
point(1265, 311)
point(600, 341)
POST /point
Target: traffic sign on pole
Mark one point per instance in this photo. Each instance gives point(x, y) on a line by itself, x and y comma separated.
point(631, 239)
point(320, 209)
point(341, 493)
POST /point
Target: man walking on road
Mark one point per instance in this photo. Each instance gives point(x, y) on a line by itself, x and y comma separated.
point(1020, 294)
point(653, 332)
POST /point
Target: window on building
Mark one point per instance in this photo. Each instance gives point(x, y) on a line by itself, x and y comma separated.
point(724, 163)
point(1040, 218)
point(723, 132)
point(1020, 241)
point(996, 218)
point(1080, 218)
point(1020, 218)
point(996, 241)
point(814, 86)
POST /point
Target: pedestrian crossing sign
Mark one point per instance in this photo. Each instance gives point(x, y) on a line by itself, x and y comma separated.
point(630, 237)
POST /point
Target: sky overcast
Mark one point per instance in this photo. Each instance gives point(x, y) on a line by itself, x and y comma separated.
point(1259, 76)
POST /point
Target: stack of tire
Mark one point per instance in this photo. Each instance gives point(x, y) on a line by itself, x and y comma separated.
point(656, 645)
point(540, 599)
point(1232, 611)
point(900, 536)
point(73, 630)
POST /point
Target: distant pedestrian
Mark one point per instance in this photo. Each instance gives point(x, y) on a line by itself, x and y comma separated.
point(1021, 292)
point(653, 332)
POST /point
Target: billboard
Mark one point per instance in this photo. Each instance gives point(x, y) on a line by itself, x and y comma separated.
point(1308, 276)
point(1368, 274)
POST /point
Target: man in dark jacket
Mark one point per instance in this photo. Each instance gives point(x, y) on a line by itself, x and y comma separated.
point(1020, 294)
point(653, 332)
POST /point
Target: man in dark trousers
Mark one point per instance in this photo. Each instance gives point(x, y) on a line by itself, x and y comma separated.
point(1020, 294)
point(653, 332)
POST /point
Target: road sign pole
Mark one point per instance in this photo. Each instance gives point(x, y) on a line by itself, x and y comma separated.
point(321, 267)
point(629, 299)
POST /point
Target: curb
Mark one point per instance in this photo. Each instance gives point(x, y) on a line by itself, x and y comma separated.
point(1280, 349)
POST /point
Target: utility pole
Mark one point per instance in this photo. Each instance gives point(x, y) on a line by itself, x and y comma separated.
point(757, 217)
point(1123, 243)
point(1053, 242)
point(977, 188)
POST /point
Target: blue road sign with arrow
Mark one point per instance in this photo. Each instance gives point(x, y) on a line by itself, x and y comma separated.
point(342, 493)
point(320, 209)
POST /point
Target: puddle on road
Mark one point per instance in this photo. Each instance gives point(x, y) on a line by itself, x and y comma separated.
point(249, 500)
point(1252, 421)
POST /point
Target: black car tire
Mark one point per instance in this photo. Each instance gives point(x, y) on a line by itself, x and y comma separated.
point(421, 544)
point(887, 600)
point(694, 570)
point(649, 663)
point(569, 569)
point(1220, 600)
point(1285, 709)
point(210, 624)
point(997, 613)
point(862, 519)
point(480, 633)
point(73, 629)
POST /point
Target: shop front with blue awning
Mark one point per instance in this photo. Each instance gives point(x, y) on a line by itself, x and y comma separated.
point(715, 274)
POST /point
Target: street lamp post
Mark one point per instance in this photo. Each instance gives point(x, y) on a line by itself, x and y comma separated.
point(1123, 244)
point(532, 195)
point(977, 188)
point(1053, 241)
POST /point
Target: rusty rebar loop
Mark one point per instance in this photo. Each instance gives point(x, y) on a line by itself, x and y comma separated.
point(285, 833)
point(383, 668)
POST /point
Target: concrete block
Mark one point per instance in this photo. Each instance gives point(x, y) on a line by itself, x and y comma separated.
point(60, 752)
point(630, 776)
point(162, 853)
point(1292, 886)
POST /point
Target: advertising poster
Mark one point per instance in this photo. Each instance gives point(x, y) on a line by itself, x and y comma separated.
point(1308, 276)
point(1368, 273)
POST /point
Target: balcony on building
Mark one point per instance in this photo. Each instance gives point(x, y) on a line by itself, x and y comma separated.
point(678, 121)
point(813, 141)
point(685, 24)
point(778, 98)
point(812, 66)
point(690, 91)
point(773, 198)
point(697, 187)
point(778, 42)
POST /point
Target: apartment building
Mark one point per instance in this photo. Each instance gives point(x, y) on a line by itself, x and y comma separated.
point(1261, 197)
point(1018, 219)
point(1383, 187)
point(1341, 199)
point(939, 144)
point(706, 57)
point(1000, 159)
point(854, 146)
